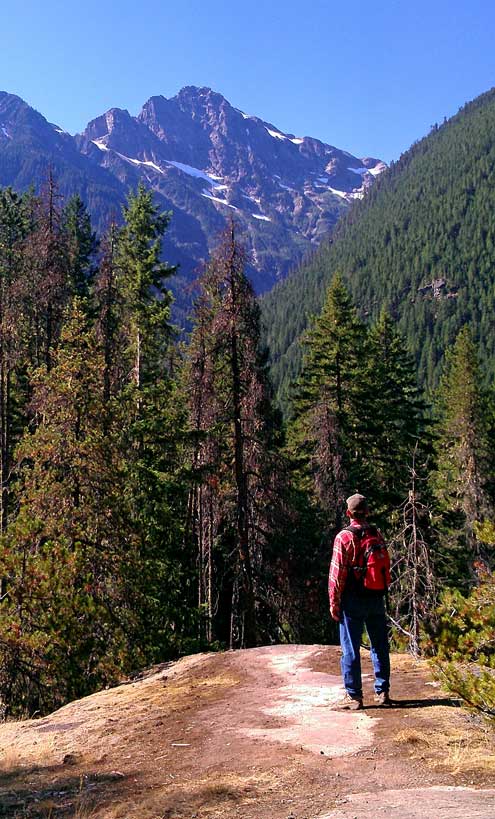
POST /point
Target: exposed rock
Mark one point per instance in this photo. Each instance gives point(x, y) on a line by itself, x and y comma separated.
point(206, 161)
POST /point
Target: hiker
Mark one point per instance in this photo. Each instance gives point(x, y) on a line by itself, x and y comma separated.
point(357, 584)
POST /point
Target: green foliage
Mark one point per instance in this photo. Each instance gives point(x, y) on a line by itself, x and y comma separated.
point(329, 432)
point(397, 422)
point(463, 477)
point(95, 577)
point(357, 417)
point(82, 245)
point(429, 217)
point(464, 645)
point(153, 424)
point(141, 280)
point(64, 619)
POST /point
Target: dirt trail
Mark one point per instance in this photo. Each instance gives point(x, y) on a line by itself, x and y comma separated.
point(249, 734)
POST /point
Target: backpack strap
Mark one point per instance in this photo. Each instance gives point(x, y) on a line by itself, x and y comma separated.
point(357, 532)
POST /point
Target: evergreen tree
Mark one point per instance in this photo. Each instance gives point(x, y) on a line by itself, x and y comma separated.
point(462, 640)
point(14, 226)
point(237, 489)
point(70, 554)
point(400, 430)
point(45, 288)
point(463, 478)
point(134, 325)
point(108, 303)
point(141, 278)
point(333, 419)
point(82, 245)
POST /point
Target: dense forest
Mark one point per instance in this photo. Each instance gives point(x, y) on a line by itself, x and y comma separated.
point(421, 243)
point(153, 500)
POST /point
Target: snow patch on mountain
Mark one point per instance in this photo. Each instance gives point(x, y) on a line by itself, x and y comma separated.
point(378, 169)
point(208, 195)
point(181, 166)
point(275, 134)
point(342, 194)
point(212, 180)
point(145, 162)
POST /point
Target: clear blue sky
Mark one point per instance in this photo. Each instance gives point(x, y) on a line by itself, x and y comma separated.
point(369, 77)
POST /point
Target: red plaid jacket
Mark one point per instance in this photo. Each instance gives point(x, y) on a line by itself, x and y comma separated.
point(343, 557)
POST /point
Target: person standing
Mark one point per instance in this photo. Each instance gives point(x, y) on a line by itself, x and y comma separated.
point(357, 584)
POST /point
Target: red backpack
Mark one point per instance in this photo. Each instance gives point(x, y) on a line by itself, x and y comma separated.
point(371, 569)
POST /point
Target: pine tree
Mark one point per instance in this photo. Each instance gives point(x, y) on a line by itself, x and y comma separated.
point(462, 640)
point(141, 278)
point(108, 306)
point(70, 554)
point(134, 325)
point(46, 290)
point(14, 225)
point(82, 245)
point(464, 461)
point(332, 423)
point(401, 432)
point(237, 489)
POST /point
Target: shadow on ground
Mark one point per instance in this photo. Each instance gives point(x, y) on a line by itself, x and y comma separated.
point(426, 703)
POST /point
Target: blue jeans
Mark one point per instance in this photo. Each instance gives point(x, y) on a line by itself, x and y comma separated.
point(356, 613)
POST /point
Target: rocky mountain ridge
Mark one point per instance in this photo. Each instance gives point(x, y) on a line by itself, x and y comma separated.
point(206, 160)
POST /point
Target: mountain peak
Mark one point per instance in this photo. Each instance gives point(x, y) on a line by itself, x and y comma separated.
point(205, 160)
point(198, 92)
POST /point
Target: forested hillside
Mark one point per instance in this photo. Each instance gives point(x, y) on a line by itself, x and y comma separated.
point(421, 243)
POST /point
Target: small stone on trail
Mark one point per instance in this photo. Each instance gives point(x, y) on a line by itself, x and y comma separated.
point(71, 759)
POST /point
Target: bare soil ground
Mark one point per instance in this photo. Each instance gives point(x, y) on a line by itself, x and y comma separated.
point(250, 734)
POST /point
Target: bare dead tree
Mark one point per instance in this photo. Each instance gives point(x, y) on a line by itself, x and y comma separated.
point(327, 463)
point(413, 589)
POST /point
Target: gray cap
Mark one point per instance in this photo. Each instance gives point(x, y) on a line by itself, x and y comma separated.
point(357, 504)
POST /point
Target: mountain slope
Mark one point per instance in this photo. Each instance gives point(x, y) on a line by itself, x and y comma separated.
point(30, 146)
point(422, 242)
point(206, 161)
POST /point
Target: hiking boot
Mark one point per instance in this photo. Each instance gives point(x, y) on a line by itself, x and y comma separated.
point(382, 698)
point(348, 703)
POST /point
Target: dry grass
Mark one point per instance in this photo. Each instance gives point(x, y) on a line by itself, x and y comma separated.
point(10, 760)
point(458, 744)
point(19, 756)
point(413, 737)
point(204, 798)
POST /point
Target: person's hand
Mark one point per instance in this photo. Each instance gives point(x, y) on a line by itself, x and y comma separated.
point(335, 614)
